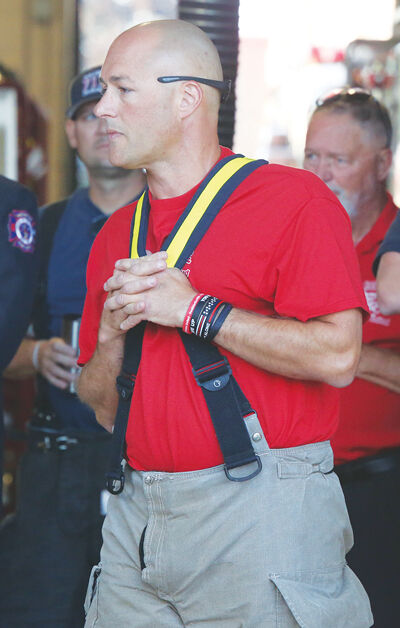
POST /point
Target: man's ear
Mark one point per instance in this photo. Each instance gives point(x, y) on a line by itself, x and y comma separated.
point(70, 132)
point(191, 95)
point(384, 163)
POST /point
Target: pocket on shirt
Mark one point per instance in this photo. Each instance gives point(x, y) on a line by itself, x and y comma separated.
point(332, 598)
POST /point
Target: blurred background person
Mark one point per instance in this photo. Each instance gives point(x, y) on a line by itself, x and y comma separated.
point(348, 145)
point(18, 270)
point(387, 270)
point(48, 548)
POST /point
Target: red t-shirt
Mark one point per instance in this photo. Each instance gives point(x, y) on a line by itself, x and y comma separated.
point(280, 246)
point(370, 414)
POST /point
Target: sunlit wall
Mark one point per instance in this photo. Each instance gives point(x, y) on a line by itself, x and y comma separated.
point(289, 55)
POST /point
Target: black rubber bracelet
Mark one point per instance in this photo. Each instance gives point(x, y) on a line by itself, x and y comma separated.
point(218, 320)
point(197, 313)
point(208, 317)
point(198, 324)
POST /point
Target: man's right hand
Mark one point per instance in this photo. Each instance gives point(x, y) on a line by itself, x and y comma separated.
point(135, 277)
point(55, 359)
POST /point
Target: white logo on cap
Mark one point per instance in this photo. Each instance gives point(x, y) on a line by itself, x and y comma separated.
point(90, 84)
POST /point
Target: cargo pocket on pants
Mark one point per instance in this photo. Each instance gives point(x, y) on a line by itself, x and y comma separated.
point(332, 599)
point(92, 592)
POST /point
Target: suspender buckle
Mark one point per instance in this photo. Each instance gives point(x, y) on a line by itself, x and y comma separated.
point(125, 385)
point(244, 478)
point(215, 376)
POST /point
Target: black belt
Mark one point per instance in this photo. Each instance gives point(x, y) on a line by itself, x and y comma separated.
point(364, 468)
point(53, 440)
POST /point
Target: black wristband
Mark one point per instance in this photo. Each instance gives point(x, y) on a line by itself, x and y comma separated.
point(218, 319)
point(208, 317)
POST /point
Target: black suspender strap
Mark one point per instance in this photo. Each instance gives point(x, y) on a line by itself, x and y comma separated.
point(50, 216)
point(115, 478)
point(226, 403)
point(225, 400)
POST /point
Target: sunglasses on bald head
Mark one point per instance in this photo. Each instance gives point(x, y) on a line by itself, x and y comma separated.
point(223, 86)
point(363, 105)
point(345, 94)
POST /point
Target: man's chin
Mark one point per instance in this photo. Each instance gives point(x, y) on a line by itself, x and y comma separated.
point(117, 160)
point(349, 204)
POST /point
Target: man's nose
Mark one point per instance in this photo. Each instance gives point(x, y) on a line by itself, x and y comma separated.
point(323, 169)
point(103, 107)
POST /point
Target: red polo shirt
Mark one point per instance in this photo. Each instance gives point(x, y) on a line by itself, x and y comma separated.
point(370, 414)
point(281, 246)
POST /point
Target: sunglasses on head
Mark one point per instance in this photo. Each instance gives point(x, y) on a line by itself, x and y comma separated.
point(346, 94)
point(223, 86)
point(359, 96)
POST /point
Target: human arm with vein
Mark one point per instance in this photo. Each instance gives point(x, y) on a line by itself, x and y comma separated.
point(326, 348)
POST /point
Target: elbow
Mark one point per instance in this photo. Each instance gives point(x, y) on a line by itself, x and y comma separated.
point(91, 395)
point(344, 355)
point(343, 367)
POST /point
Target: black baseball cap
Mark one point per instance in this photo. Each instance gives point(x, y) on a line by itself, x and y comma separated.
point(84, 88)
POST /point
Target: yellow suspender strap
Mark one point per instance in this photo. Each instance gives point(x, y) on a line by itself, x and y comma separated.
point(193, 215)
point(200, 206)
point(136, 225)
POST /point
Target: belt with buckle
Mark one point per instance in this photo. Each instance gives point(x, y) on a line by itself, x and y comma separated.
point(368, 466)
point(50, 440)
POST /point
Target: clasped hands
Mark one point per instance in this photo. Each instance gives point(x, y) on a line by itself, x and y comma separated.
point(145, 289)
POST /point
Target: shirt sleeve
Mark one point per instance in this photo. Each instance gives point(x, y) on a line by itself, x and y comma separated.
point(391, 242)
point(317, 271)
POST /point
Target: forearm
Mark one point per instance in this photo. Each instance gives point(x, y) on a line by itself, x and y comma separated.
point(317, 350)
point(96, 386)
point(380, 366)
point(21, 366)
point(388, 283)
point(326, 348)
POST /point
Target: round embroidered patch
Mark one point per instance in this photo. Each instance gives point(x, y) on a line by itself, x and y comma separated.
point(21, 230)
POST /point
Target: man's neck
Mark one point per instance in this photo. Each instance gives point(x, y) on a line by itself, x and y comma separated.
point(366, 216)
point(173, 178)
point(111, 194)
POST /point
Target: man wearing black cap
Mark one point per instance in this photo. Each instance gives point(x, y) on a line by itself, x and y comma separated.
point(47, 550)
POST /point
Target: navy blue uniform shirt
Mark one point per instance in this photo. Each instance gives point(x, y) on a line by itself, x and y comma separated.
point(66, 290)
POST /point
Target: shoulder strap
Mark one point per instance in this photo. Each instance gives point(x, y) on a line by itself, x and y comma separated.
point(226, 402)
point(50, 216)
point(204, 206)
point(125, 383)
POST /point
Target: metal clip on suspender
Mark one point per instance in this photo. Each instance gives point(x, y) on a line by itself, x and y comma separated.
point(115, 480)
point(227, 406)
point(226, 402)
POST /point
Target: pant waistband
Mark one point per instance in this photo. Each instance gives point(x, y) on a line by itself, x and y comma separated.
point(291, 462)
point(368, 466)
